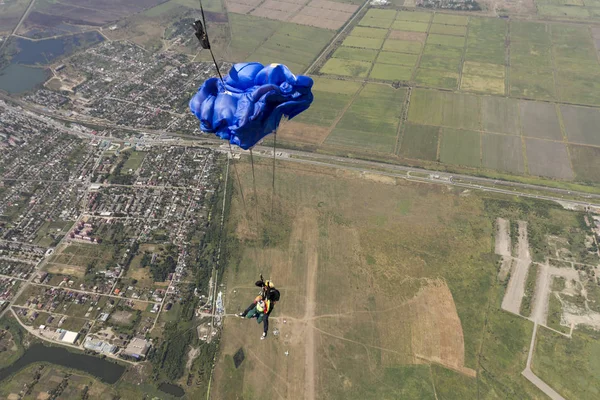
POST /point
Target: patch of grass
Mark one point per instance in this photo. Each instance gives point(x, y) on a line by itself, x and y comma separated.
point(486, 40)
point(570, 365)
point(455, 30)
point(579, 88)
point(390, 57)
point(450, 19)
point(338, 66)
point(363, 42)
point(331, 97)
point(456, 110)
point(545, 158)
point(452, 385)
point(581, 124)
point(446, 40)
point(531, 55)
point(389, 72)
point(134, 161)
point(355, 54)
point(531, 83)
point(500, 114)
point(402, 46)
point(436, 50)
point(437, 78)
point(527, 302)
point(420, 141)
point(482, 84)
point(502, 153)
point(413, 16)
point(248, 33)
point(378, 18)
point(440, 63)
point(460, 147)
point(529, 32)
point(410, 26)
point(586, 163)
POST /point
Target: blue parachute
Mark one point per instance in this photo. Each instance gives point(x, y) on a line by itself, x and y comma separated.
point(249, 103)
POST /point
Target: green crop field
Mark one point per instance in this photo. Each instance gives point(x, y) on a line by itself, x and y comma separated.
point(410, 26)
point(338, 66)
point(530, 32)
point(390, 57)
point(413, 16)
point(530, 55)
point(440, 63)
point(402, 46)
point(500, 114)
point(581, 124)
point(486, 41)
point(455, 110)
point(371, 121)
point(502, 153)
point(450, 19)
point(586, 163)
point(248, 33)
point(378, 18)
point(531, 83)
point(390, 72)
point(539, 120)
point(376, 33)
point(545, 158)
point(460, 147)
point(420, 141)
point(436, 78)
point(482, 84)
point(448, 29)
point(355, 54)
point(331, 97)
point(446, 40)
point(364, 42)
point(441, 51)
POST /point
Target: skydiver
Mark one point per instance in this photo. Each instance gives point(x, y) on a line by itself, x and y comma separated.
point(263, 304)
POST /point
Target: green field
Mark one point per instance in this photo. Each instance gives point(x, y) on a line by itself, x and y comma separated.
point(502, 153)
point(581, 124)
point(371, 122)
point(436, 78)
point(390, 57)
point(440, 63)
point(448, 29)
point(354, 54)
point(450, 19)
point(420, 141)
point(500, 115)
point(363, 42)
point(413, 16)
point(486, 41)
point(338, 66)
point(378, 18)
point(539, 120)
point(402, 46)
point(134, 161)
point(460, 147)
point(586, 163)
point(531, 83)
point(545, 158)
point(390, 72)
point(446, 40)
point(410, 26)
point(453, 110)
point(361, 31)
point(571, 364)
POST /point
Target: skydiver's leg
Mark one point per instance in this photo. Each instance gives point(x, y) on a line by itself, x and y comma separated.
point(265, 325)
point(247, 310)
point(252, 313)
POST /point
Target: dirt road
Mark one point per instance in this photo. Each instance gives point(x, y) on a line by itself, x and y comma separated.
point(542, 292)
point(516, 284)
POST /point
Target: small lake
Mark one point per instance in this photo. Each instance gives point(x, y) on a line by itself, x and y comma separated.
point(19, 78)
point(171, 389)
point(106, 371)
point(45, 51)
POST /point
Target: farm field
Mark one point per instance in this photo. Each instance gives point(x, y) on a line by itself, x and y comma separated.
point(424, 299)
point(10, 13)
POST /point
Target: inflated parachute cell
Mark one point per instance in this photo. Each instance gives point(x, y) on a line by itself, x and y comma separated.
point(251, 102)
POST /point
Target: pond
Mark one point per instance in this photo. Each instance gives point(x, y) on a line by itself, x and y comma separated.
point(171, 389)
point(45, 51)
point(106, 371)
point(17, 78)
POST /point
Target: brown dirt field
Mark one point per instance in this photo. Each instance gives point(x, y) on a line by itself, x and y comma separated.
point(121, 317)
point(303, 19)
point(299, 132)
point(436, 330)
point(252, 3)
point(239, 8)
point(281, 6)
point(414, 36)
point(332, 5)
point(62, 269)
point(271, 14)
point(138, 305)
point(331, 15)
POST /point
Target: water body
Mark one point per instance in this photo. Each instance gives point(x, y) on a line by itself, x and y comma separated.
point(19, 78)
point(171, 389)
point(45, 51)
point(104, 370)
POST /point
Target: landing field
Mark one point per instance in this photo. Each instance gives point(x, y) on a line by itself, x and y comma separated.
point(386, 287)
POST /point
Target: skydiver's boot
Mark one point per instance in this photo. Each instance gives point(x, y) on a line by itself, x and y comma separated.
point(264, 335)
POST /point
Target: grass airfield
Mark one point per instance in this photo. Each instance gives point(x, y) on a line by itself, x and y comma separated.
point(388, 289)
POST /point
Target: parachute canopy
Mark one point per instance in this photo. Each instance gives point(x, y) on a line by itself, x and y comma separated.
point(250, 102)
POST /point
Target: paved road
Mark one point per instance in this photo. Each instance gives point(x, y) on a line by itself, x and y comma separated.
point(531, 377)
point(516, 285)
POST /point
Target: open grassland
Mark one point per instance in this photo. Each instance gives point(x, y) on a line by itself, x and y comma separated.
point(372, 120)
point(388, 291)
point(572, 365)
point(420, 141)
point(460, 147)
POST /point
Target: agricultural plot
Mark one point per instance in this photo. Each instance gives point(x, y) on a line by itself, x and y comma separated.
point(448, 30)
point(378, 18)
point(483, 78)
point(339, 66)
point(581, 124)
point(390, 72)
point(502, 153)
point(420, 141)
point(486, 41)
point(293, 45)
point(390, 57)
point(500, 114)
point(539, 120)
point(371, 121)
point(331, 98)
point(586, 162)
point(460, 147)
point(531, 83)
point(454, 110)
point(325, 14)
point(550, 159)
point(354, 54)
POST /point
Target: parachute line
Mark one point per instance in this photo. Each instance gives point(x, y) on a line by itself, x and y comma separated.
point(254, 184)
point(209, 46)
point(273, 182)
